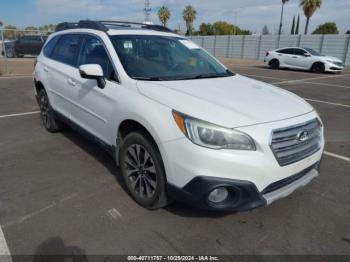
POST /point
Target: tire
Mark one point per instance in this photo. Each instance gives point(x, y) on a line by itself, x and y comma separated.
point(318, 67)
point(143, 170)
point(47, 115)
point(274, 64)
point(10, 53)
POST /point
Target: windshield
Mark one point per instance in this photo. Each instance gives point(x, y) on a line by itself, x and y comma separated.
point(312, 51)
point(161, 58)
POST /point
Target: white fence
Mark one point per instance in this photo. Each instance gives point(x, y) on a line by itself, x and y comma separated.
point(255, 47)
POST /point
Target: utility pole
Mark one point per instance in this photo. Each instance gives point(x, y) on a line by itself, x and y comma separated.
point(147, 11)
point(236, 17)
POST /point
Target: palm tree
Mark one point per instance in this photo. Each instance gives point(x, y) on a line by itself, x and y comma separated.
point(189, 15)
point(164, 15)
point(309, 7)
point(281, 21)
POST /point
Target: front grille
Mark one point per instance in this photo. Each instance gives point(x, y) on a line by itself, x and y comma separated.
point(295, 143)
point(284, 182)
point(339, 64)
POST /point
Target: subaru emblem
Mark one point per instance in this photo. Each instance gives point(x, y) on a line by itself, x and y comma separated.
point(303, 136)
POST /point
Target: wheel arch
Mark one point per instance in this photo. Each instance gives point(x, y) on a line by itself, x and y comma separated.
point(38, 86)
point(130, 125)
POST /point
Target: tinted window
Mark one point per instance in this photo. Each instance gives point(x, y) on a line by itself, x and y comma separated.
point(299, 52)
point(94, 52)
point(288, 51)
point(165, 58)
point(313, 52)
point(50, 46)
point(67, 49)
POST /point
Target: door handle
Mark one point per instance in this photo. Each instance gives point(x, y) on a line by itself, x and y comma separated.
point(71, 82)
point(295, 57)
point(46, 69)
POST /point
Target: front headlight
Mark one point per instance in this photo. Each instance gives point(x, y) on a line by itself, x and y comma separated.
point(208, 135)
point(331, 61)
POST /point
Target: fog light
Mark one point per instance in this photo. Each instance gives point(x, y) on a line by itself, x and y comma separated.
point(218, 195)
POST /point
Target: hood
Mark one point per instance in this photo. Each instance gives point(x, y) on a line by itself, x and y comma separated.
point(229, 101)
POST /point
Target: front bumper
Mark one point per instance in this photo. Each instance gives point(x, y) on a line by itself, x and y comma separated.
point(243, 195)
point(330, 67)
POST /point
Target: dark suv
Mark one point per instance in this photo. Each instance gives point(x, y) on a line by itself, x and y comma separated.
point(29, 45)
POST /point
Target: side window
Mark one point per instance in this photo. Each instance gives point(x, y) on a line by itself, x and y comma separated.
point(287, 51)
point(299, 51)
point(94, 52)
point(67, 49)
point(50, 46)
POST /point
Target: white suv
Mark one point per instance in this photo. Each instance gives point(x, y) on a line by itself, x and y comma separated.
point(179, 123)
point(303, 58)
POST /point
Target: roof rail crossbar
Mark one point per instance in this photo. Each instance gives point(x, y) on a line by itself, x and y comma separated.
point(87, 24)
point(142, 25)
point(103, 25)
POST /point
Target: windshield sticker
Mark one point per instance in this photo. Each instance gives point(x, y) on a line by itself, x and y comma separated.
point(128, 45)
point(189, 44)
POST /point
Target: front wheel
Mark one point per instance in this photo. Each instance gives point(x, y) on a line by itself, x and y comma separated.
point(318, 68)
point(143, 171)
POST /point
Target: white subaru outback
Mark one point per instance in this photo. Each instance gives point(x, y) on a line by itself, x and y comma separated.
point(179, 123)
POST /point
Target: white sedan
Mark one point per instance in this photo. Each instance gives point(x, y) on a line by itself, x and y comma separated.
point(303, 58)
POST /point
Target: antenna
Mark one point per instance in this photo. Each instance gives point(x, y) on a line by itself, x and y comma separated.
point(147, 11)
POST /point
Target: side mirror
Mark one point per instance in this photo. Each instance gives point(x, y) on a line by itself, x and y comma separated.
point(93, 71)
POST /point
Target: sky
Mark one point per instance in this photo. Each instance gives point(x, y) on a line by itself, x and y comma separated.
point(249, 14)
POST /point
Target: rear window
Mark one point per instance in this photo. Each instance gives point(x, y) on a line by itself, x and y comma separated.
point(49, 47)
point(67, 49)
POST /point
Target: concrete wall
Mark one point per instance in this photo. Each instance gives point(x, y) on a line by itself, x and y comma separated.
point(255, 47)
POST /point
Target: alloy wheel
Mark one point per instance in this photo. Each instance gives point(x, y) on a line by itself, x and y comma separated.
point(140, 171)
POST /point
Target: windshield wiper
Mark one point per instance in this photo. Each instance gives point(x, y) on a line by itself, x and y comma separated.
point(146, 78)
point(200, 76)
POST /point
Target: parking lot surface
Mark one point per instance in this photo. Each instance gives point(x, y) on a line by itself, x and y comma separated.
point(61, 193)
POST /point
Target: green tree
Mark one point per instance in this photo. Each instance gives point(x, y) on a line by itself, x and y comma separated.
point(245, 32)
point(298, 25)
point(206, 29)
point(292, 32)
point(31, 29)
point(164, 15)
point(224, 28)
point(309, 7)
point(265, 30)
point(11, 32)
point(189, 14)
point(326, 28)
point(281, 21)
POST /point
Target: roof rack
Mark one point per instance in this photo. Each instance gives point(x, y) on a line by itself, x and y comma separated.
point(105, 25)
point(86, 24)
point(141, 25)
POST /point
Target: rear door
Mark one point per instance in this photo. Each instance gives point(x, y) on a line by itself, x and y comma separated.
point(21, 45)
point(60, 68)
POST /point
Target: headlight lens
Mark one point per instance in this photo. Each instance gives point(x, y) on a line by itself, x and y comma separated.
point(331, 61)
point(212, 136)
